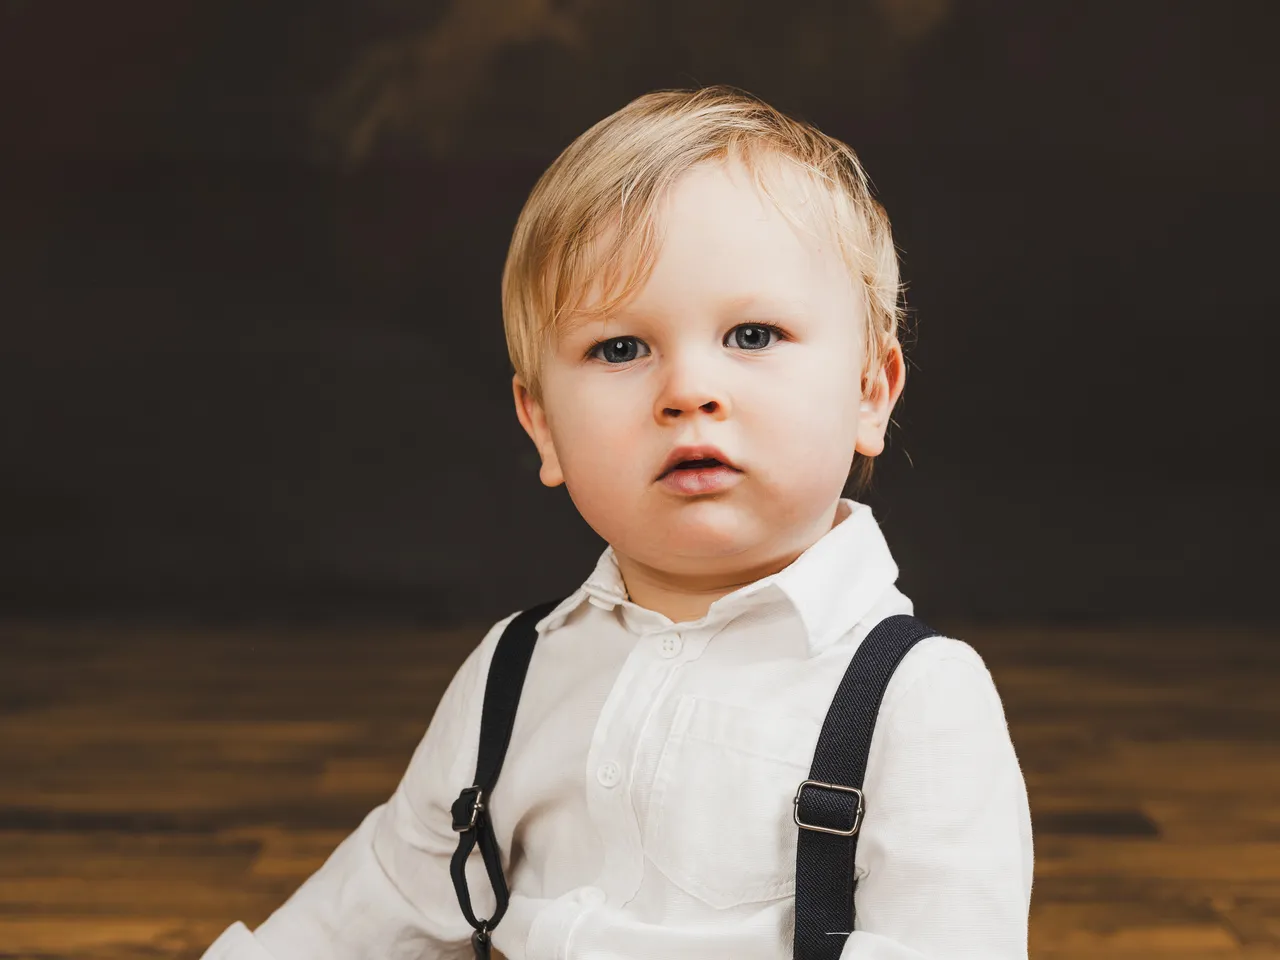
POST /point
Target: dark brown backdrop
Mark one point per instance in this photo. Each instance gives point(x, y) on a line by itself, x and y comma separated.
point(249, 263)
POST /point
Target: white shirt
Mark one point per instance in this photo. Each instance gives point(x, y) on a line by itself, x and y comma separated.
point(644, 810)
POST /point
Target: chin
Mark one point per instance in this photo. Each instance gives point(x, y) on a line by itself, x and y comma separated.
point(707, 528)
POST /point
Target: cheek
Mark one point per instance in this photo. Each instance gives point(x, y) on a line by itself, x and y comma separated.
point(596, 436)
point(602, 465)
point(814, 408)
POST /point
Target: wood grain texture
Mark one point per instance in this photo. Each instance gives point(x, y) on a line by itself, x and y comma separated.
point(157, 782)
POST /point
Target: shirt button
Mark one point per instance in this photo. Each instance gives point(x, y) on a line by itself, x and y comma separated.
point(671, 646)
point(609, 774)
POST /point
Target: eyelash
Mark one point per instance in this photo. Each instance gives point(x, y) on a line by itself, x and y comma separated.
point(773, 328)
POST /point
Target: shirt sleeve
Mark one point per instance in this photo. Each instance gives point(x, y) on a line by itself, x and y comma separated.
point(945, 857)
point(385, 892)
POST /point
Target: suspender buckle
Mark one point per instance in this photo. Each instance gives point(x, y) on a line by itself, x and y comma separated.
point(857, 813)
point(466, 809)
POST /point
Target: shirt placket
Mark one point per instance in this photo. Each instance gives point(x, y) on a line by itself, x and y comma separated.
point(635, 695)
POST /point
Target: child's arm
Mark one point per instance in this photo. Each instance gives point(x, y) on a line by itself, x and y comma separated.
point(386, 891)
point(947, 843)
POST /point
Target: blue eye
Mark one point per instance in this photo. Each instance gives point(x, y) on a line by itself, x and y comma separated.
point(747, 336)
point(760, 335)
point(622, 349)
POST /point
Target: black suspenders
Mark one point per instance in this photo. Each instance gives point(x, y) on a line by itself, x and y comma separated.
point(471, 810)
point(828, 807)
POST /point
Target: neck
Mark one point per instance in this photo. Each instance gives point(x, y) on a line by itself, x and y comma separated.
point(683, 597)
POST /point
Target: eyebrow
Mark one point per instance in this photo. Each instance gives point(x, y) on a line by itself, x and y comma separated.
point(576, 323)
point(767, 301)
point(736, 304)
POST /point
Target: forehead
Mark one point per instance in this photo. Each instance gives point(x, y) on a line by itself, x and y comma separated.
point(724, 240)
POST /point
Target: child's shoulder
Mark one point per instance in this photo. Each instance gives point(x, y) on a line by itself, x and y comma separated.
point(476, 666)
point(940, 670)
point(472, 674)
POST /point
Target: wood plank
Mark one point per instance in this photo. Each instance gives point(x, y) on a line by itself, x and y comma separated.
point(161, 781)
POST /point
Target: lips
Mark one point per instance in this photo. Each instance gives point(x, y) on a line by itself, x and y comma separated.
point(691, 454)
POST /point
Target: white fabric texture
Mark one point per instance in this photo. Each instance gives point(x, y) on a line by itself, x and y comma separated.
point(644, 809)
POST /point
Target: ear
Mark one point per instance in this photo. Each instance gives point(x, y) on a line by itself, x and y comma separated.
point(880, 391)
point(534, 420)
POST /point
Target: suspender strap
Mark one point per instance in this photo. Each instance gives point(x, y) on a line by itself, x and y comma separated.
point(829, 806)
point(471, 820)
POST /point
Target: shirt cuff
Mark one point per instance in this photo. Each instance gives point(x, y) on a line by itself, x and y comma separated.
point(236, 943)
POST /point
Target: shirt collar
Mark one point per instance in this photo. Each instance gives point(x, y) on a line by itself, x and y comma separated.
point(830, 587)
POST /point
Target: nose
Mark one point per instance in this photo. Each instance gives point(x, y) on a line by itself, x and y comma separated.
point(689, 388)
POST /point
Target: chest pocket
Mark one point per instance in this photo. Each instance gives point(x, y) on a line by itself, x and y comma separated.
point(719, 823)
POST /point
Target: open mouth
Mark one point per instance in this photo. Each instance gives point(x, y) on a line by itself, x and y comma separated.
point(692, 458)
point(704, 463)
point(702, 476)
point(698, 464)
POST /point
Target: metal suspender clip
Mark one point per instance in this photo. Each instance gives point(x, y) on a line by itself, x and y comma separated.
point(464, 819)
point(482, 942)
point(857, 815)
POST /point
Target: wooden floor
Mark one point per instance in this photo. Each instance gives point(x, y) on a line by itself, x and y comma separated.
point(157, 783)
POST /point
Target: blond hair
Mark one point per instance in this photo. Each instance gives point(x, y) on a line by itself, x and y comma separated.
point(614, 176)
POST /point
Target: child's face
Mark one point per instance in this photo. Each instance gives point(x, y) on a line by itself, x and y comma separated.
point(679, 368)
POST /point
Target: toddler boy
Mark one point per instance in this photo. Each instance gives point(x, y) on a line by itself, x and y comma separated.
point(701, 302)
